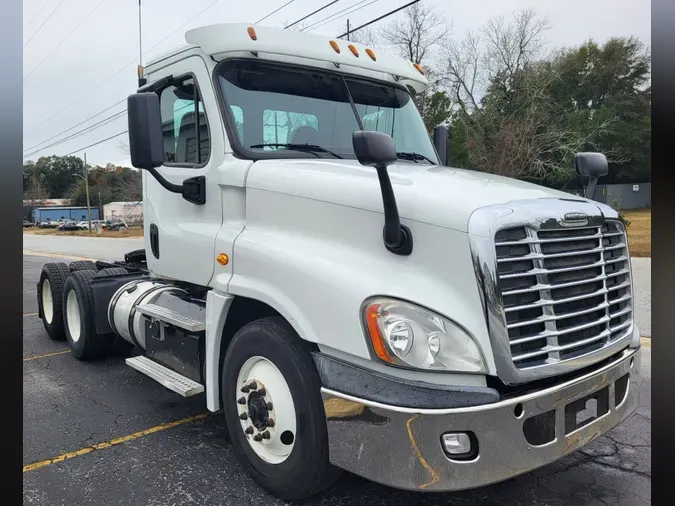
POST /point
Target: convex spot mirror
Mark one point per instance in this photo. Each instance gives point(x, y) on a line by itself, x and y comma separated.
point(592, 165)
point(146, 144)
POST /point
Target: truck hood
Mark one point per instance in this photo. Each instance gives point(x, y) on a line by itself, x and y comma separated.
point(435, 195)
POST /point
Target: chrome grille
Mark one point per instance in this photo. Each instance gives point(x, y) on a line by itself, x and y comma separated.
point(565, 292)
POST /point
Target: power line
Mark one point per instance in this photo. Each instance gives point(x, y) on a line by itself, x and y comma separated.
point(311, 14)
point(96, 143)
point(274, 12)
point(124, 68)
point(38, 14)
point(347, 14)
point(331, 17)
point(64, 40)
point(79, 133)
point(43, 23)
point(380, 18)
point(75, 126)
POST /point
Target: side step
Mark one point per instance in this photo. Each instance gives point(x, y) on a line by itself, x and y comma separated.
point(165, 376)
point(172, 317)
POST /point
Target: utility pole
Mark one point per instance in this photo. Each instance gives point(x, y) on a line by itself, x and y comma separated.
point(141, 79)
point(86, 185)
point(347, 30)
point(100, 207)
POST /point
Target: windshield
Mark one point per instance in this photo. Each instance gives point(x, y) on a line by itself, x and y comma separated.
point(278, 109)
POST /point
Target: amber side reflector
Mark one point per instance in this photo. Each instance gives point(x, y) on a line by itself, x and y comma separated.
point(222, 259)
point(354, 51)
point(371, 53)
point(335, 46)
point(419, 68)
point(251, 33)
point(375, 334)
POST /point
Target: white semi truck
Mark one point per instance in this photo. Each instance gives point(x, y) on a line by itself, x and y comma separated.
point(313, 267)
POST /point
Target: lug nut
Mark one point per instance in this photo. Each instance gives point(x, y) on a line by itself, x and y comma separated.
point(245, 389)
point(242, 400)
point(262, 391)
point(249, 430)
point(243, 416)
point(266, 434)
point(253, 385)
point(269, 405)
point(270, 422)
point(257, 438)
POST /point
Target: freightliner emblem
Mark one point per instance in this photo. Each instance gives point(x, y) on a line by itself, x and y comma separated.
point(574, 218)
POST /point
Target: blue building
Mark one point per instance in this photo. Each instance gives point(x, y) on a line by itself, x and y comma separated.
point(47, 214)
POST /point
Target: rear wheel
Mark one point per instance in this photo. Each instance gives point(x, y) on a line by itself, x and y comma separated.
point(274, 411)
point(110, 272)
point(78, 318)
point(82, 265)
point(50, 298)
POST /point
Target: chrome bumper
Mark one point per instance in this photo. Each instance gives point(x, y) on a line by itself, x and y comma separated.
point(401, 447)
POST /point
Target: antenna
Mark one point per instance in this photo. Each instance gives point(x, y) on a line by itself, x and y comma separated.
point(141, 80)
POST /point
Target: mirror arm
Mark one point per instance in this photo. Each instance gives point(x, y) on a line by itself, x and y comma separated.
point(590, 189)
point(397, 237)
point(173, 188)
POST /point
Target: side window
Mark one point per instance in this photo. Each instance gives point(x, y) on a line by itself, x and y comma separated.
point(187, 140)
point(280, 127)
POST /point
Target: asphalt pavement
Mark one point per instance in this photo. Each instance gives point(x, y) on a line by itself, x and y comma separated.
point(103, 434)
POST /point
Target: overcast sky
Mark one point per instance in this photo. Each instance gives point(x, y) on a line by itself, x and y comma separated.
point(89, 42)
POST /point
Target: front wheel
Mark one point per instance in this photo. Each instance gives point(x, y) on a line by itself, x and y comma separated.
point(274, 411)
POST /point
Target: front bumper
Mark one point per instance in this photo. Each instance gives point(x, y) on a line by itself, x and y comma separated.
point(401, 447)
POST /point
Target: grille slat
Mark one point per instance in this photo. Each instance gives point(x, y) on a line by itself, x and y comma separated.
point(548, 349)
point(549, 318)
point(537, 288)
point(565, 292)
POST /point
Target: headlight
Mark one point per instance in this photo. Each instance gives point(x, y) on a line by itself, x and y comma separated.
point(410, 336)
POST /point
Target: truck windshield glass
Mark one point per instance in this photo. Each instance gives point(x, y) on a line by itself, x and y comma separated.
point(279, 109)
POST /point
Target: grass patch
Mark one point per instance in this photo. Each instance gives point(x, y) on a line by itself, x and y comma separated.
point(639, 232)
point(130, 232)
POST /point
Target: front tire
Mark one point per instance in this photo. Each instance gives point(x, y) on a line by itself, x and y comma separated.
point(289, 457)
point(78, 318)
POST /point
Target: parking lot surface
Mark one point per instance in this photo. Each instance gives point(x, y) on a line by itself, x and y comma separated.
point(103, 434)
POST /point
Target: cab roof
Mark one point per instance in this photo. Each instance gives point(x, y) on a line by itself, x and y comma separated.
point(219, 40)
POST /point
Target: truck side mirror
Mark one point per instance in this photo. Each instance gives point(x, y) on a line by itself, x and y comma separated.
point(441, 141)
point(592, 166)
point(145, 130)
point(377, 149)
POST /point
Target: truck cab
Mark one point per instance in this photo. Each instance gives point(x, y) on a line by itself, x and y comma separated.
point(313, 267)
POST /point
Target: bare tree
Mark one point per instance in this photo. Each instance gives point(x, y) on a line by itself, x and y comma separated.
point(416, 35)
point(494, 56)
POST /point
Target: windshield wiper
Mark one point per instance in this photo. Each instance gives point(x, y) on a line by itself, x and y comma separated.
point(413, 156)
point(310, 148)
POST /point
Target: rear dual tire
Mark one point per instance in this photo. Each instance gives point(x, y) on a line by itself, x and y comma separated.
point(50, 299)
point(78, 318)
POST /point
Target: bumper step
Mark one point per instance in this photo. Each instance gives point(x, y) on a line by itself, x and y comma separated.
point(172, 317)
point(165, 376)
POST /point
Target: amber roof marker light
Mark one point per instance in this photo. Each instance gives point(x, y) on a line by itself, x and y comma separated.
point(251, 33)
point(419, 68)
point(353, 49)
point(371, 53)
point(335, 46)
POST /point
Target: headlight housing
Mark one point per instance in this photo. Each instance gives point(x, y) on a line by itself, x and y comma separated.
point(407, 335)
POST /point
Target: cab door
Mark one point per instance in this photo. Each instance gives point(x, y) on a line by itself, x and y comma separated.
point(179, 234)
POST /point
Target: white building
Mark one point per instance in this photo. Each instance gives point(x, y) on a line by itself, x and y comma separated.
point(129, 212)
